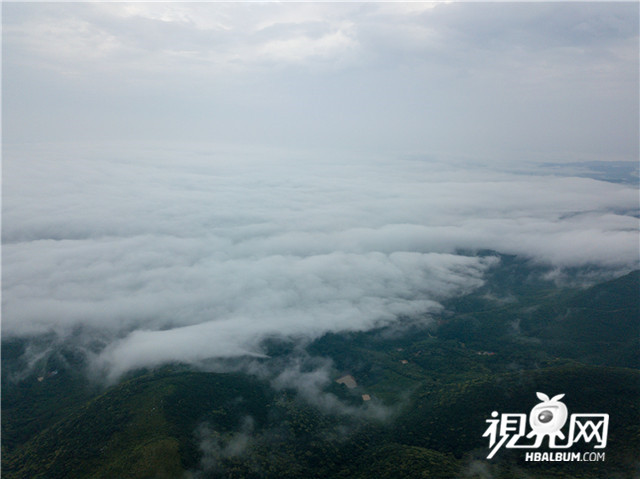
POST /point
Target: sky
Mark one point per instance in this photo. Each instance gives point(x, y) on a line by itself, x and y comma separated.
point(181, 181)
point(489, 79)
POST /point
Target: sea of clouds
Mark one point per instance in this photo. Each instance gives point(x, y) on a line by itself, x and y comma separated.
point(172, 254)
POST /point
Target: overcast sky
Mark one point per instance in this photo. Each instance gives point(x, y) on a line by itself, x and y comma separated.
point(526, 79)
point(182, 180)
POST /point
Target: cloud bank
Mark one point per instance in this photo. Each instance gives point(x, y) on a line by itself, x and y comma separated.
point(183, 255)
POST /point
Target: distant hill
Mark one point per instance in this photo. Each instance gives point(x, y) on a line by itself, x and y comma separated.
point(597, 325)
point(600, 325)
point(452, 419)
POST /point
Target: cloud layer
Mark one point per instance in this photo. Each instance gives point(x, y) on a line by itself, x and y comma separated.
point(164, 252)
point(183, 255)
point(556, 79)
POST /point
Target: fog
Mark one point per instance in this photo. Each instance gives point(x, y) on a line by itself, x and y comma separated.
point(178, 255)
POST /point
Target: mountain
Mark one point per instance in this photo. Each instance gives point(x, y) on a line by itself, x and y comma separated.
point(423, 389)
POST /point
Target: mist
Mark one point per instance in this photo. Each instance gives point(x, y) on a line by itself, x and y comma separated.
point(182, 255)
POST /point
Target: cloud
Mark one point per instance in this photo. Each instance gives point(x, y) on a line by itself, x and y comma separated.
point(232, 33)
point(146, 38)
point(215, 447)
point(476, 79)
point(184, 255)
point(310, 381)
point(173, 253)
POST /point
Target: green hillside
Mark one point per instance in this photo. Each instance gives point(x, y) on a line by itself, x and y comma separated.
point(145, 428)
point(433, 382)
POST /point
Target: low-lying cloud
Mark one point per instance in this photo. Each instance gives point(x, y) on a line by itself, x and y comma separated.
point(177, 255)
point(215, 447)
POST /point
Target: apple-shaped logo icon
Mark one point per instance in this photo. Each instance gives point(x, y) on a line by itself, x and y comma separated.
point(547, 418)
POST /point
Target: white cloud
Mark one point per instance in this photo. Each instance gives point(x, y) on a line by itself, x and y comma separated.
point(460, 78)
point(537, 38)
point(217, 247)
point(173, 255)
point(300, 48)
